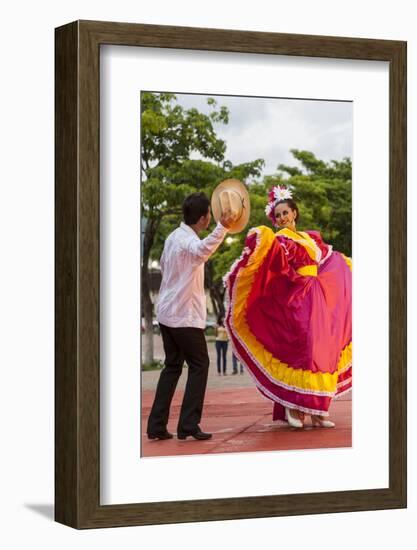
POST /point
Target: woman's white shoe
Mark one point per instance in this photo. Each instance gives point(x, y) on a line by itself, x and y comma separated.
point(321, 422)
point(292, 420)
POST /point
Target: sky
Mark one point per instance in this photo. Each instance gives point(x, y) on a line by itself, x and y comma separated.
point(268, 128)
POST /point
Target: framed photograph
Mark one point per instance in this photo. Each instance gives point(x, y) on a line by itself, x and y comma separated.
point(290, 333)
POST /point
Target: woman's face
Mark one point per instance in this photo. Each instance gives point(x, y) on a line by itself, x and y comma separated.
point(285, 216)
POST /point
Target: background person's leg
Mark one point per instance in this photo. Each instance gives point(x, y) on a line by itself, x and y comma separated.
point(234, 361)
point(218, 354)
point(224, 352)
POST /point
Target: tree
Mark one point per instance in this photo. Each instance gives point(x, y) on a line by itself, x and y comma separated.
point(324, 195)
point(170, 134)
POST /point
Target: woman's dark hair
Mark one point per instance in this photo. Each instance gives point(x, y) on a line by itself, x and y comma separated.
point(292, 204)
point(195, 206)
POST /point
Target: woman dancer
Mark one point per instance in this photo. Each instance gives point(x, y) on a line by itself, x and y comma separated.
point(289, 315)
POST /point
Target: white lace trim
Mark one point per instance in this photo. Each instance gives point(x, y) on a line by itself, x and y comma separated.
point(225, 278)
point(344, 382)
point(342, 393)
point(292, 406)
point(266, 394)
point(327, 256)
point(303, 241)
point(345, 368)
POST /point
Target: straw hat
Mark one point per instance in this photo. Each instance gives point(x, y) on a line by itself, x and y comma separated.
point(232, 194)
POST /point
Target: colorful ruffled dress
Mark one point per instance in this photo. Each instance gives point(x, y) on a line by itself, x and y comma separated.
point(289, 318)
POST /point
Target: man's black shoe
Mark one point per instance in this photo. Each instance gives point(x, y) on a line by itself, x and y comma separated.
point(161, 435)
point(199, 435)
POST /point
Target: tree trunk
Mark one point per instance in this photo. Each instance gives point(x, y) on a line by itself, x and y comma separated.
point(147, 305)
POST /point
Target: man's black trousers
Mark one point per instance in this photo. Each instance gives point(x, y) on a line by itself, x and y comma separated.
point(181, 344)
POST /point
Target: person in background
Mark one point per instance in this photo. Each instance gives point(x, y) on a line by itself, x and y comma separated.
point(221, 346)
point(236, 363)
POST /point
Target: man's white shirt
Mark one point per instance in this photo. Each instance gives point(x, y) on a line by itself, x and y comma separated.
point(182, 300)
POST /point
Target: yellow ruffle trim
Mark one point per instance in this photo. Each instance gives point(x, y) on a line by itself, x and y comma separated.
point(297, 379)
point(304, 240)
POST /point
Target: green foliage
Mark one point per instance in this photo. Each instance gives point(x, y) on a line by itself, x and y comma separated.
point(153, 365)
point(323, 192)
point(170, 135)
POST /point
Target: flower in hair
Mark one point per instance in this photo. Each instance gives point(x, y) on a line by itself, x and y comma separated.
point(268, 208)
point(282, 193)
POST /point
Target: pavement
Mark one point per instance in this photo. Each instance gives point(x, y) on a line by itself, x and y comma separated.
point(150, 378)
point(239, 418)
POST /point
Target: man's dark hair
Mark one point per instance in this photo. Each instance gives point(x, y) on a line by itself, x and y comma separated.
point(195, 206)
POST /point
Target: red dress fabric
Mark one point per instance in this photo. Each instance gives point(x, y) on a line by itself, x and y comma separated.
point(289, 318)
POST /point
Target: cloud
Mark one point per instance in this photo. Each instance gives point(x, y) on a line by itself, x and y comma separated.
point(268, 128)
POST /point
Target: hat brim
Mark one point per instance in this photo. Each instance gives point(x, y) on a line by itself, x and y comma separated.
point(238, 187)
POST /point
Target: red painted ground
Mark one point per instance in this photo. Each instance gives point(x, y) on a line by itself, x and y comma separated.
point(240, 420)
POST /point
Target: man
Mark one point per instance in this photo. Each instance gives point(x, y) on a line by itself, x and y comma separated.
point(182, 318)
